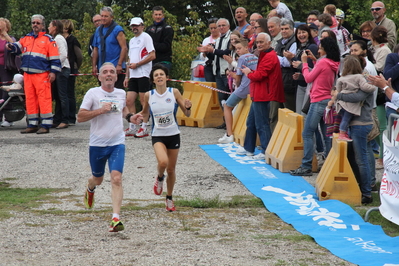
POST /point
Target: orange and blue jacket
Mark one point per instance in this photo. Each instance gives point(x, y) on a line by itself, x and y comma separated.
point(39, 53)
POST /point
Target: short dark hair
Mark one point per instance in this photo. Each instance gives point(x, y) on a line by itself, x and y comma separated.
point(156, 67)
point(314, 12)
point(331, 48)
point(158, 8)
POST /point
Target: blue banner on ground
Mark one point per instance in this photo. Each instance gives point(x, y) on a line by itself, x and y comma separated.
point(333, 224)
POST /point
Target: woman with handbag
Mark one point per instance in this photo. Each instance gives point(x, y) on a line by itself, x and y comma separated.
point(323, 76)
point(9, 63)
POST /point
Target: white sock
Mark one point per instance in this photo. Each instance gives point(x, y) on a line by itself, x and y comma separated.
point(132, 126)
point(115, 215)
point(143, 125)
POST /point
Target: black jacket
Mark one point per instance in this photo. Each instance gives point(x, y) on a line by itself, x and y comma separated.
point(162, 36)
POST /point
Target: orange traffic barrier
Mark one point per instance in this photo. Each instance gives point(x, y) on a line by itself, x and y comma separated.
point(336, 179)
point(206, 111)
point(285, 149)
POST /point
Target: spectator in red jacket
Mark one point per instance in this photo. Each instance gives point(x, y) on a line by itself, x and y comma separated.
point(266, 85)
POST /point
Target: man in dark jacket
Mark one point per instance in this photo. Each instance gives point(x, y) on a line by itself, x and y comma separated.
point(162, 36)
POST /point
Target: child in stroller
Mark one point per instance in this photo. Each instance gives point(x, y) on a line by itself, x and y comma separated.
point(13, 106)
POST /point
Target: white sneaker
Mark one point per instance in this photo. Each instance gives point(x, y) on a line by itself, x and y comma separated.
point(130, 132)
point(259, 156)
point(242, 151)
point(7, 124)
point(141, 133)
point(226, 139)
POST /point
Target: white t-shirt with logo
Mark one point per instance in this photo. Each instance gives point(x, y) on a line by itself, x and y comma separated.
point(106, 129)
point(139, 48)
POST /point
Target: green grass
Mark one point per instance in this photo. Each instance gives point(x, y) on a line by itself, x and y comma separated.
point(23, 199)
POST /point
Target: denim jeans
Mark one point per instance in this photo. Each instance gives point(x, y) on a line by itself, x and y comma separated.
point(314, 117)
point(362, 150)
point(258, 122)
point(60, 90)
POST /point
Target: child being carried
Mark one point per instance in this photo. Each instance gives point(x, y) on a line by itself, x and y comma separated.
point(350, 81)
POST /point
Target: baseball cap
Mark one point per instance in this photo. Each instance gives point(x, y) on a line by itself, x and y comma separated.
point(136, 21)
point(339, 13)
point(313, 26)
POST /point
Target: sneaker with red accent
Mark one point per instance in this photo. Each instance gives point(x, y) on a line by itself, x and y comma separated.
point(158, 185)
point(89, 199)
point(344, 137)
point(129, 132)
point(141, 133)
point(170, 206)
point(116, 225)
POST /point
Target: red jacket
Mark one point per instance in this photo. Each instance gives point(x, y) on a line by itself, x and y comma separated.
point(267, 81)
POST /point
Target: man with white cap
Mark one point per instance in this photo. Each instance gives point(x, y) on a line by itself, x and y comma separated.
point(141, 54)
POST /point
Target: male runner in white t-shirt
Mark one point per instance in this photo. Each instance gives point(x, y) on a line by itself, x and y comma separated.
point(105, 106)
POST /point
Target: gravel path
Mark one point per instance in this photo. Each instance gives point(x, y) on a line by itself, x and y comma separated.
point(67, 234)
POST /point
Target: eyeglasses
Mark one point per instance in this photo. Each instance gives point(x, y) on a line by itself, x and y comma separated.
point(224, 25)
point(375, 9)
point(36, 22)
point(259, 42)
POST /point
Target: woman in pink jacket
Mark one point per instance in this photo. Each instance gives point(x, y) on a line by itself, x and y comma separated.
point(322, 76)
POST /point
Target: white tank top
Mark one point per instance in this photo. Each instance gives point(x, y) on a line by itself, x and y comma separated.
point(163, 109)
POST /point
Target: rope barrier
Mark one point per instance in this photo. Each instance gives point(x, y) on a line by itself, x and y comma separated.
point(176, 80)
point(202, 85)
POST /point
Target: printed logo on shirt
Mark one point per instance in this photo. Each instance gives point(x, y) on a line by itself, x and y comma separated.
point(168, 100)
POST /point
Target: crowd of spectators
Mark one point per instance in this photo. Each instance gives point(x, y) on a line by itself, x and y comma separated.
point(299, 64)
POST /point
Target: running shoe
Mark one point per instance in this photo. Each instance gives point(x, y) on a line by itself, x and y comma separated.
point(170, 206)
point(158, 186)
point(242, 151)
point(141, 133)
point(116, 225)
point(226, 139)
point(129, 132)
point(89, 199)
point(259, 156)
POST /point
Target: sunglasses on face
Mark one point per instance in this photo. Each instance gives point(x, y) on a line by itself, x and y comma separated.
point(375, 9)
point(35, 22)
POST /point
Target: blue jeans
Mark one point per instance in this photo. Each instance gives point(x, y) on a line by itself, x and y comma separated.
point(314, 117)
point(60, 90)
point(257, 122)
point(362, 150)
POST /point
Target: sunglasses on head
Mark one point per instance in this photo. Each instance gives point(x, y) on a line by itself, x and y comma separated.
point(375, 9)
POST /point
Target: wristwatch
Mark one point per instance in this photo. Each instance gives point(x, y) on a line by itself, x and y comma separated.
point(385, 88)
